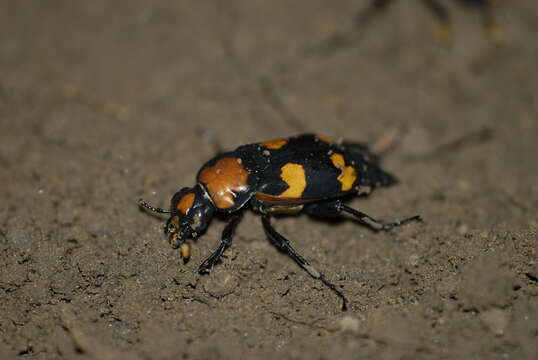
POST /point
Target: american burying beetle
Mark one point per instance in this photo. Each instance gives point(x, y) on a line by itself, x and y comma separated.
point(303, 173)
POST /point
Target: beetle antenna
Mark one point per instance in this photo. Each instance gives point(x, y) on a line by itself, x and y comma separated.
point(154, 209)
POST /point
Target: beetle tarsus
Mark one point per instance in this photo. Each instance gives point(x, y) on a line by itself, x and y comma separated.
point(375, 224)
point(284, 244)
point(334, 208)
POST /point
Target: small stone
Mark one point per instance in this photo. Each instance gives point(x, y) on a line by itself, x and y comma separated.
point(349, 323)
point(221, 283)
point(495, 320)
point(414, 260)
point(463, 229)
point(486, 283)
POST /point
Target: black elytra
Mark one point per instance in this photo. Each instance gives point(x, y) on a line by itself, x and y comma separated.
point(307, 173)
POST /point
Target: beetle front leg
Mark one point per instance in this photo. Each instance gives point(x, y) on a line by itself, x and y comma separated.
point(334, 208)
point(284, 244)
point(226, 241)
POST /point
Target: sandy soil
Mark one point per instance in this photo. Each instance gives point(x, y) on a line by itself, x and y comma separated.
point(103, 102)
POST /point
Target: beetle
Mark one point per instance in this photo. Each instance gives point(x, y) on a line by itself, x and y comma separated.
point(309, 173)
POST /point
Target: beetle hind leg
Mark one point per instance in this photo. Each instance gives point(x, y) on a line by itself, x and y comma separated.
point(226, 241)
point(334, 208)
point(284, 244)
point(375, 224)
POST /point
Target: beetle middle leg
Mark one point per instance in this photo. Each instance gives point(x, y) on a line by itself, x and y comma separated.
point(284, 244)
point(226, 241)
point(334, 208)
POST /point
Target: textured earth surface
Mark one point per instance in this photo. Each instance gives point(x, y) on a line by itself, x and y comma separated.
point(104, 102)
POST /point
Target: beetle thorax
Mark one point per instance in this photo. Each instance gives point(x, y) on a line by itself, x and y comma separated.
point(224, 180)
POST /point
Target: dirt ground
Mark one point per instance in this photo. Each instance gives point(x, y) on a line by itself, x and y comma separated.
point(103, 102)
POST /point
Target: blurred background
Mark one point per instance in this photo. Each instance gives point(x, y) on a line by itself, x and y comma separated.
point(105, 102)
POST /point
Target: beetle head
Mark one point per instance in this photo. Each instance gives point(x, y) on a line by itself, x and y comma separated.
point(191, 211)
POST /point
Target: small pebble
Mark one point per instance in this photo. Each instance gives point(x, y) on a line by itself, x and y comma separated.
point(349, 324)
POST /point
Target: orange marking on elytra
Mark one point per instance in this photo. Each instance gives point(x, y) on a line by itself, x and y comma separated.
point(347, 173)
point(324, 139)
point(275, 144)
point(223, 180)
point(293, 175)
